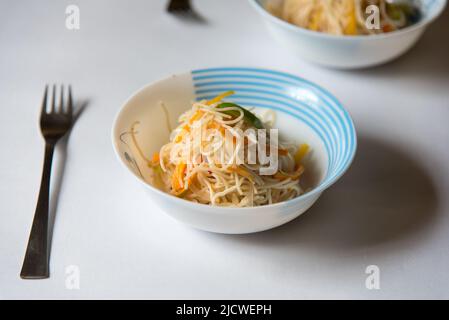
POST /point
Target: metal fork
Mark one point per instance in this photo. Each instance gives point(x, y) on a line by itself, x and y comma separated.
point(179, 6)
point(54, 123)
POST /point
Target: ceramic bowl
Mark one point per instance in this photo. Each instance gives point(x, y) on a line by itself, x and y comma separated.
point(348, 52)
point(305, 113)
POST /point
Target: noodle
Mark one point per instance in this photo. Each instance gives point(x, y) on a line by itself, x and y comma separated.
point(200, 175)
point(344, 17)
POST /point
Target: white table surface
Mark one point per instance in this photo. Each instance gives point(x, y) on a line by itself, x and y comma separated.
point(391, 209)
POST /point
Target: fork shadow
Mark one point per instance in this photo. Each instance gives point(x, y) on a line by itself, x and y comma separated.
point(385, 196)
point(58, 168)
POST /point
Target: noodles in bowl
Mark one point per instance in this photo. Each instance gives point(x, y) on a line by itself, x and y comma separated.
point(347, 33)
point(222, 154)
point(346, 17)
point(225, 191)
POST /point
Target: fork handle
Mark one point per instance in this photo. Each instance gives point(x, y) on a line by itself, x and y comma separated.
point(36, 262)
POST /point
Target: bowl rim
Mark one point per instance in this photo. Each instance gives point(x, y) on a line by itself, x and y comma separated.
point(420, 24)
point(316, 191)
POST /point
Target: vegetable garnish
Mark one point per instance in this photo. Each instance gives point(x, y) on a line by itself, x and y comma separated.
point(280, 175)
point(302, 151)
point(220, 97)
point(156, 158)
point(178, 178)
point(248, 116)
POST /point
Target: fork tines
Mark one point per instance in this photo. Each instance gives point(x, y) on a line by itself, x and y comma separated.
point(52, 108)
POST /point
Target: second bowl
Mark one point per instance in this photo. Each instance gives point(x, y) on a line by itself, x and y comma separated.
point(348, 52)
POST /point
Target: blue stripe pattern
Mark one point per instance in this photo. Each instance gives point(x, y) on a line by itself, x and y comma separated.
point(292, 95)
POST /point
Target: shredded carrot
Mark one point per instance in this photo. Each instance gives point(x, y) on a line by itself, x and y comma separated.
point(196, 116)
point(294, 176)
point(220, 97)
point(351, 25)
point(315, 20)
point(283, 152)
point(179, 138)
point(302, 151)
point(177, 179)
point(180, 193)
point(156, 158)
point(215, 125)
point(181, 168)
point(387, 28)
point(184, 131)
point(191, 180)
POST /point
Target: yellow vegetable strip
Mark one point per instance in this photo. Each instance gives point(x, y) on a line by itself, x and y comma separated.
point(295, 176)
point(156, 158)
point(219, 97)
point(302, 151)
point(177, 179)
point(198, 114)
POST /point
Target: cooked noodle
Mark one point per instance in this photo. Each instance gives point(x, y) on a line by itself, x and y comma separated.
point(202, 176)
point(344, 17)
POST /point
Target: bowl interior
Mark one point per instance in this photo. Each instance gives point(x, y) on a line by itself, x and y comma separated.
point(305, 113)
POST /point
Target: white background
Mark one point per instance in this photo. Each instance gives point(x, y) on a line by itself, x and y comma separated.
point(390, 209)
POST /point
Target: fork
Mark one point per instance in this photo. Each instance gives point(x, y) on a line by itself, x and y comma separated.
point(54, 124)
point(179, 6)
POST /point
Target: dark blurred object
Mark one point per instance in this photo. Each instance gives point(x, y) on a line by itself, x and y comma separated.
point(183, 10)
point(179, 7)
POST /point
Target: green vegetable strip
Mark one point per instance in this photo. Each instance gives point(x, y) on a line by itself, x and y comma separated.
point(248, 116)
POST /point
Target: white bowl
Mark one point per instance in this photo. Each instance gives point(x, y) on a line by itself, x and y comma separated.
point(305, 113)
point(348, 51)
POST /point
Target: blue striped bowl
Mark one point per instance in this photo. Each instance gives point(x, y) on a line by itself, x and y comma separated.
point(305, 113)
